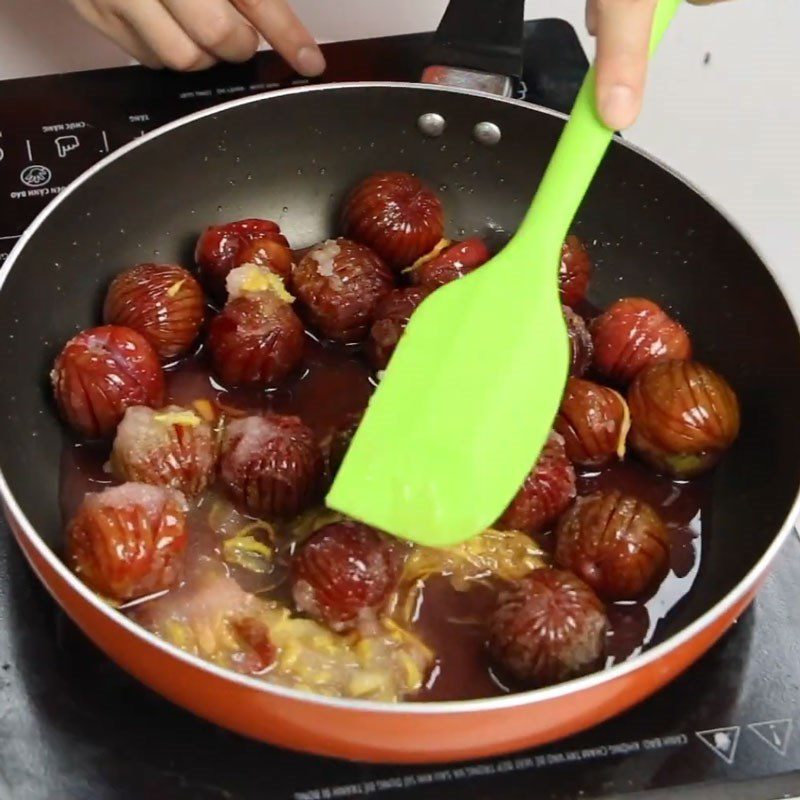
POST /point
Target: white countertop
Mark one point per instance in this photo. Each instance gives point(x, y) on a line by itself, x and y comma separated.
point(731, 125)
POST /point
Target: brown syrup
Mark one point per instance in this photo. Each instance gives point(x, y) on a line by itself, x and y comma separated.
point(334, 385)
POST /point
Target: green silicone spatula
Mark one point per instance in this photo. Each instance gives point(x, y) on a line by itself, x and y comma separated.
point(470, 395)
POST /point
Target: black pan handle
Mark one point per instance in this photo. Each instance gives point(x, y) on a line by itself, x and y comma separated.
point(481, 35)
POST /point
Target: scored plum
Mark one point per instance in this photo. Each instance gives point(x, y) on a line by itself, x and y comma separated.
point(449, 261)
point(391, 318)
point(548, 627)
point(257, 339)
point(270, 464)
point(616, 543)
point(344, 572)
point(222, 248)
point(127, 542)
point(684, 416)
point(575, 271)
point(163, 302)
point(396, 215)
point(594, 422)
point(100, 373)
point(546, 493)
point(581, 346)
point(339, 285)
point(634, 333)
point(172, 447)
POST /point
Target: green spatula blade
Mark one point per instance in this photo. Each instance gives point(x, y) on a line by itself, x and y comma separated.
point(471, 392)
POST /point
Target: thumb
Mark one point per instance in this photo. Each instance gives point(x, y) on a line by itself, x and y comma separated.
point(623, 41)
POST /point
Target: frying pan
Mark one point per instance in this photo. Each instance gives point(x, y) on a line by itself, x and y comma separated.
point(654, 235)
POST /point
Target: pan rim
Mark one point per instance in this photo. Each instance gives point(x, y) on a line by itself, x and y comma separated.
point(530, 697)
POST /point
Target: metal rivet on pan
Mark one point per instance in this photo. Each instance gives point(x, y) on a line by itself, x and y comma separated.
point(432, 125)
point(487, 133)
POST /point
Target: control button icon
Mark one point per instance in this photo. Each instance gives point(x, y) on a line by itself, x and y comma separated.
point(35, 175)
point(721, 741)
point(66, 144)
point(776, 733)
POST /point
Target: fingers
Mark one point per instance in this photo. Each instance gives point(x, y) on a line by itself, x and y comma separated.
point(215, 27)
point(278, 24)
point(623, 40)
point(591, 17)
point(133, 44)
point(163, 35)
point(193, 34)
point(118, 31)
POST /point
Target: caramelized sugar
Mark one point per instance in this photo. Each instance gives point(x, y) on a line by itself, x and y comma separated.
point(334, 385)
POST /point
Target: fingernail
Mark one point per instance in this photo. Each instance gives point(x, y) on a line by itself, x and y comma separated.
point(310, 61)
point(618, 106)
point(591, 18)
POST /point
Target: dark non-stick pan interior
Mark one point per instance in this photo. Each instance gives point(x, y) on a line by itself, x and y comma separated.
point(291, 158)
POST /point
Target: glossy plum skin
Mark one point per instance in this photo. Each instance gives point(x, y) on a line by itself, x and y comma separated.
point(100, 373)
point(126, 542)
point(334, 446)
point(396, 215)
point(616, 543)
point(391, 319)
point(450, 263)
point(339, 285)
point(256, 339)
point(594, 422)
point(270, 464)
point(272, 252)
point(547, 628)
point(222, 248)
point(163, 302)
point(343, 572)
point(581, 346)
point(546, 493)
point(575, 272)
point(684, 416)
point(173, 447)
point(632, 334)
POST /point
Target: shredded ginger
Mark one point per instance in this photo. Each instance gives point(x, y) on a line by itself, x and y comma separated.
point(246, 551)
point(178, 416)
point(325, 256)
point(509, 555)
point(253, 279)
point(387, 664)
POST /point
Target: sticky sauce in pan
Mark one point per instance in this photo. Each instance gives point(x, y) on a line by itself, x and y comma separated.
point(334, 385)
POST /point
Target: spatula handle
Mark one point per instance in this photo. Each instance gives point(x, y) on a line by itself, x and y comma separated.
point(577, 156)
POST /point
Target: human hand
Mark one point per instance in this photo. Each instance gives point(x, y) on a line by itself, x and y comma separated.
point(194, 34)
point(622, 28)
